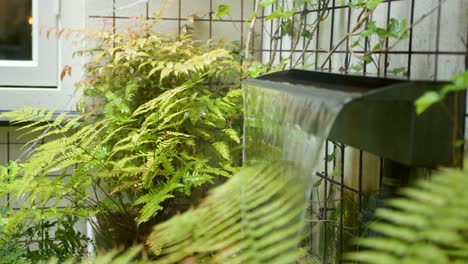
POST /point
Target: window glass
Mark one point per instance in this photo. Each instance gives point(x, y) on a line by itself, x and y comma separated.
point(16, 30)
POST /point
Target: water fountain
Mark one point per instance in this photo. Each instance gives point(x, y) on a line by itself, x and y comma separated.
point(260, 214)
point(378, 114)
point(289, 114)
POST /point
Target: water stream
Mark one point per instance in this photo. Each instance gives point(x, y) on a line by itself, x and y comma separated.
point(288, 124)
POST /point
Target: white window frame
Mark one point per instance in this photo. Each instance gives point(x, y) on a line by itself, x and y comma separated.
point(59, 96)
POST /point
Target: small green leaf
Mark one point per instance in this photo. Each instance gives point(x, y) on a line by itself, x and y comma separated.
point(377, 47)
point(370, 29)
point(265, 3)
point(330, 157)
point(305, 33)
point(399, 70)
point(459, 143)
point(397, 28)
point(367, 58)
point(233, 135)
point(357, 3)
point(222, 10)
point(288, 28)
point(426, 100)
point(336, 172)
point(372, 4)
point(356, 43)
point(4, 209)
point(357, 67)
point(317, 183)
point(252, 16)
point(383, 34)
point(276, 14)
point(288, 14)
point(256, 69)
point(460, 80)
point(223, 149)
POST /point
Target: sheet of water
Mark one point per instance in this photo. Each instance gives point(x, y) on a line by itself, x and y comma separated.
point(289, 124)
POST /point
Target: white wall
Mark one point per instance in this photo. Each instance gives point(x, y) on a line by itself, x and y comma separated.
point(100, 15)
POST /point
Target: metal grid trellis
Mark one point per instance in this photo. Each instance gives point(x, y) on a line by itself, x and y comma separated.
point(332, 210)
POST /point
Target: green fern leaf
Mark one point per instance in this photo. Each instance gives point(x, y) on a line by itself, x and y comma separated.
point(223, 149)
point(233, 135)
point(155, 196)
point(194, 179)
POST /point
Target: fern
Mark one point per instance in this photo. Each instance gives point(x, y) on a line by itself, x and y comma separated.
point(153, 199)
point(427, 225)
point(233, 135)
point(223, 149)
point(195, 179)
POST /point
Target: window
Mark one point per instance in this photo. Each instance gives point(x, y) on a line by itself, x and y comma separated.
point(27, 57)
point(16, 30)
point(30, 60)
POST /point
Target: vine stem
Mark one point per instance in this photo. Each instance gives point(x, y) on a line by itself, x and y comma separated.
point(275, 45)
point(251, 29)
point(313, 31)
point(295, 39)
point(356, 28)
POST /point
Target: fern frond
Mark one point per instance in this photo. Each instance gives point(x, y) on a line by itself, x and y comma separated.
point(428, 224)
point(36, 126)
point(232, 134)
point(253, 218)
point(155, 196)
point(223, 149)
point(26, 115)
point(163, 100)
point(195, 179)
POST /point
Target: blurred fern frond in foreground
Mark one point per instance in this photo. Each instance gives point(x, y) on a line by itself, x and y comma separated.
point(253, 218)
point(428, 224)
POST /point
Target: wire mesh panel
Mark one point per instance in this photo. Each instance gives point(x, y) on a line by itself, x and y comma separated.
point(175, 16)
point(351, 184)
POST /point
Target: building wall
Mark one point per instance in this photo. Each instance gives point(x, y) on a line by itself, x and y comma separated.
point(176, 14)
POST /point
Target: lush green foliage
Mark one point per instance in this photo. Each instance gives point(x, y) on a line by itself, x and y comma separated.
point(428, 224)
point(170, 108)
point(160, 115)
point(10, 253)
point(50, 231)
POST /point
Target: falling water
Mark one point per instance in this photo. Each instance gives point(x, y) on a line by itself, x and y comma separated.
point(289, 124)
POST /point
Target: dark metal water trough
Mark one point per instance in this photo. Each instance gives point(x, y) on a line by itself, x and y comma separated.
point(380, 116)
